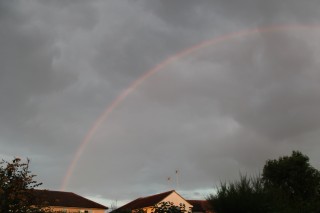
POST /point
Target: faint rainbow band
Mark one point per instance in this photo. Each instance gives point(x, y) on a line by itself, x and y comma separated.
point(118, 100)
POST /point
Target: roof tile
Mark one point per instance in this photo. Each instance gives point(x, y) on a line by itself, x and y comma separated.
point(66, 199)
point(145, 201)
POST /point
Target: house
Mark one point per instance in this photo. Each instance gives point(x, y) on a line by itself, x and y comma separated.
point(147, 203)
point(68, 202)
point(200, 206)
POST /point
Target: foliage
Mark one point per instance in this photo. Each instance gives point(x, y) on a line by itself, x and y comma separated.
point(245, 195)
point(293, 183)
point(169, 207)
point(288, 184)
point(141, 210)
point(16, 188)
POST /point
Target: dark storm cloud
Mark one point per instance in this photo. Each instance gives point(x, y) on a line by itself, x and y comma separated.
point(219, 112)
point(246, 13)
point(224, 109)
point(30, 78)
point(286, 100)
point(22, 78)
point(139, 31)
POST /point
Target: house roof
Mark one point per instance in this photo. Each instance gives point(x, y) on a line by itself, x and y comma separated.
point(67, 199)
point(200, 205)
point(146, 201)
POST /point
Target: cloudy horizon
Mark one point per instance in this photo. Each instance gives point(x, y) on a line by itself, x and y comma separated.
point(220, 109)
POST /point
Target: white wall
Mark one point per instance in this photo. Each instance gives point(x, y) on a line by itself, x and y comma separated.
point(176, 199)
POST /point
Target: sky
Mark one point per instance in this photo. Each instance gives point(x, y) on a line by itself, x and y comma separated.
point(212, 111)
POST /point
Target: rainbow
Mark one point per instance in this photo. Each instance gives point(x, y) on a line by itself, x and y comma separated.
point(119, 99)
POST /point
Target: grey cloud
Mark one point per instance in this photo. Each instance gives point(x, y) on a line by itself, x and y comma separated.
point(220, 110)
point(249, 12)
point(30, 78)
point(284, 102)
point(139, 31)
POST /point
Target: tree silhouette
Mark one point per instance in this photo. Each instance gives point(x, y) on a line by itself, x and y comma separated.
point(16, 188)
point(288, 184)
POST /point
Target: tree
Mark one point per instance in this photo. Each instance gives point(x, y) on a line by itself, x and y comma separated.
point(246, 195)
point(169, 207)
point(293, 182)
point(16, 188)
point(288, 184)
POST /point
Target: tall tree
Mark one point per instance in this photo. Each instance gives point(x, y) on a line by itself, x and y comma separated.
point(288, 184)
point(243, 196)
point(16, 188)
point(293, 182)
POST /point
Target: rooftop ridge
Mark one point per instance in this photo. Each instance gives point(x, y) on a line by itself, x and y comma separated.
point(66, 199)
point(147, 201)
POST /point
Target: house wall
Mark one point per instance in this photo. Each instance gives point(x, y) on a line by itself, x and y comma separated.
point(76, 210)
point(146, 210)
point(176, 200)
point(172, 198)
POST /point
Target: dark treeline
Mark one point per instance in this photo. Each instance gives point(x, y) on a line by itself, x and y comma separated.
point(288, 184)
point(17, 185)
